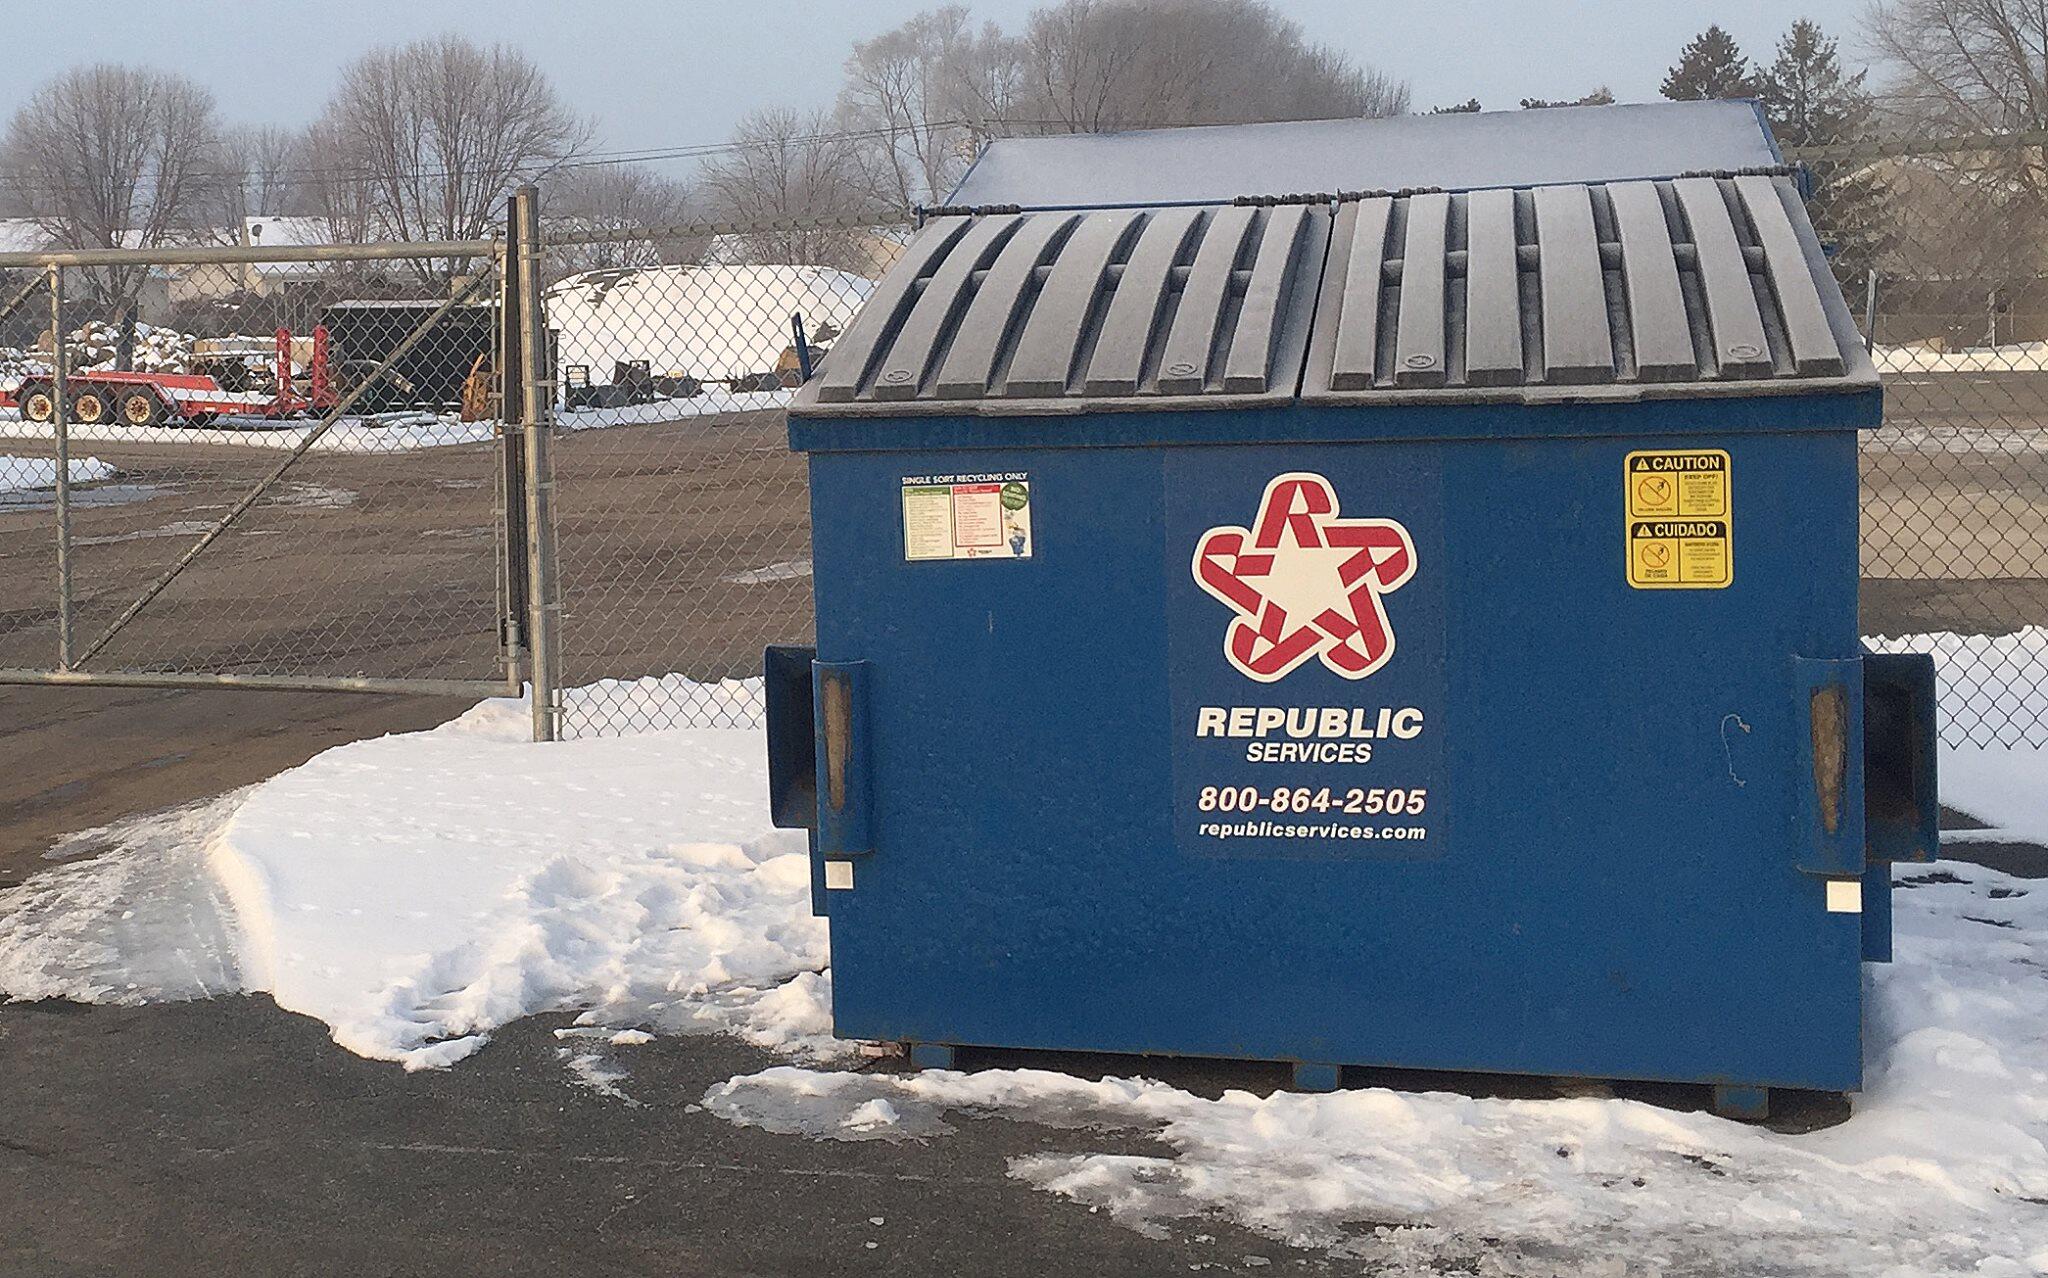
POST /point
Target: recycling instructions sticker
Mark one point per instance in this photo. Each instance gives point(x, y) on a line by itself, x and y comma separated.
point(967, 516)
point(1305, 656)
point(1680, 519)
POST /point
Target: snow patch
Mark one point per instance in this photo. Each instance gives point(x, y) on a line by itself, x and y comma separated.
point(394, 432)
point(781, 570)
point(2014, 357)
point(28, 474)
point(132, 917)
point(1940, 1171)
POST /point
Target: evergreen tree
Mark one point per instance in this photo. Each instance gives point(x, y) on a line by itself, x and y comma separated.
point(1711, 66)
point(1602, 96)
point(1809, 101)
point(1812, 102)
point(1467, 107)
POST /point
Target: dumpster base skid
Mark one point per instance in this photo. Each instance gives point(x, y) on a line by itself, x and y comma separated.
point(1749, 1104)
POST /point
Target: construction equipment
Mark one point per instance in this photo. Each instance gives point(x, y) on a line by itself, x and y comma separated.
point(100, 397)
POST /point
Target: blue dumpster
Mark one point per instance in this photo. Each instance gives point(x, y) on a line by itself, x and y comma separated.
point(1392, 626)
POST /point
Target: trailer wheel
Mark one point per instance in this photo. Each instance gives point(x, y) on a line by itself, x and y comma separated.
point(38, 404)
point(141, 408)
point(89, 406)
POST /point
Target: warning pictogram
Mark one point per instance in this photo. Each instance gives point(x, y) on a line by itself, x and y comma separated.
point(1305, 583)
point(1679, 519)
point(1654, 495)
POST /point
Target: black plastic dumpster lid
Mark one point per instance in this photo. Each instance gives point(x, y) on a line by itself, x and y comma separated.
point(1649, 289)
point(1066, 311)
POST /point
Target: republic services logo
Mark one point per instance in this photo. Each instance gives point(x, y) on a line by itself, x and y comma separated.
point(1305, 583)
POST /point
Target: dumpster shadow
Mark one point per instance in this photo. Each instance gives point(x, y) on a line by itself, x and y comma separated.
point(1792, 1111)
point(2019, 859)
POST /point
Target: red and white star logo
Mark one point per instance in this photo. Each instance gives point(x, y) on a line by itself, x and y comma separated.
point(1305, 583)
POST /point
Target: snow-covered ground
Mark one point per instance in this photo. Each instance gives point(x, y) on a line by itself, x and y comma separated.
point(27, 474)
point(381, 433)
point(393, 432)
point(2013, 357)
point(416, 891)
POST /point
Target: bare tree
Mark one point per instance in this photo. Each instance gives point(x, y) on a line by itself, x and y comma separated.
point(340, 196)
point(924, 95)
point(1975, 66)
point(110, 156)
point(1971, 66)
point(629, 208)
point(1095, 65)
point(912, 93)
point(262, 172)
point(784, 165)
point(422, 141)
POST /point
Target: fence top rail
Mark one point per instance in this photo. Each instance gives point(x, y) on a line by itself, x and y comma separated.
point(566, 232)
point(236, 254)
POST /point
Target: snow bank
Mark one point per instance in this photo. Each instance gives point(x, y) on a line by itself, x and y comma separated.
point(711, 401)
point(26, 474)
point(416, 891)
point(629, 707)
point(2016, 357)
point(709, 322)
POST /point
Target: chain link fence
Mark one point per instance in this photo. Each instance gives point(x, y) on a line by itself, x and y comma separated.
point(291, 496)
point(682, 518)
point(260, 471)
point(684, 542)
point(1941, 245)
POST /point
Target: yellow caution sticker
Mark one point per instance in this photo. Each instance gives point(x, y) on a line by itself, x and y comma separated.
point(1680, 519)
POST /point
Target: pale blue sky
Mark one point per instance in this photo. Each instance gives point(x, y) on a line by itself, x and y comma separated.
point(680, 72)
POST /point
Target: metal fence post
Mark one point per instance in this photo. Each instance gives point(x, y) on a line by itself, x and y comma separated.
point(60, 426)
point(513, 571)
point(536, 404)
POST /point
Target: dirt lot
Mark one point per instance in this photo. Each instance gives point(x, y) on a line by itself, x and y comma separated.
point(388, 564)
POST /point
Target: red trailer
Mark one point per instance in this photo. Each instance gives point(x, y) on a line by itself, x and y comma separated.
point(101, 396)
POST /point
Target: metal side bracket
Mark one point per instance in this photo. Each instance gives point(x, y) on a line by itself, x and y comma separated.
point(1829, 719)
point(1901, 813)
point(845, 807)
point(1901, 810)
point(792, 737)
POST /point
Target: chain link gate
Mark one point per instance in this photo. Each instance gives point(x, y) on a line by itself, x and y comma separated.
point(293, 472)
